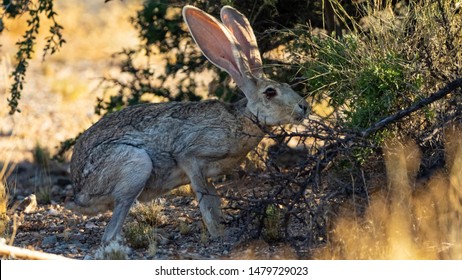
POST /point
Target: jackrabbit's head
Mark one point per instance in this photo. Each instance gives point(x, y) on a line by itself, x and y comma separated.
point(232, 46)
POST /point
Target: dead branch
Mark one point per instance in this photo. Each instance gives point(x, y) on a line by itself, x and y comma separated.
point(21, 253)
point(450, 87)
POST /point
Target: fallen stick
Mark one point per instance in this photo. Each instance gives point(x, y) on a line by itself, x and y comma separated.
point(21, 253)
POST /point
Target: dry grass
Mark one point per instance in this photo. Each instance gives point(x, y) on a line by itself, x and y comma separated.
point(3, 200)
point(148, 213)
point(410, 220)
point(184, 190)
point(112, 251)
point(5, 171)
point(141, 233)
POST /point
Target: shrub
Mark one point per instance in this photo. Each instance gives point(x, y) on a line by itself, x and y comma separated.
point(377, 69)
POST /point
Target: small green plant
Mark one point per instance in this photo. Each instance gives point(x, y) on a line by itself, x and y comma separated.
point(272, 229)
point(139, 235)
point(44, 194)
point(362, 85)
point(184, 227)
point(41, 156)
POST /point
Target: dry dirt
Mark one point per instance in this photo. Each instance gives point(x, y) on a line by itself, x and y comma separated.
point(179, 233)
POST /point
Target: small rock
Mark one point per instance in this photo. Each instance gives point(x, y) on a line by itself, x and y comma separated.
point(76, 243)
point(55, 189)
point(69, 191)
point(29, 204)
point(74, 250)
point(160, 200)
point(87, 258)
point(49, 240)
point(91, 225)
point(53, 212)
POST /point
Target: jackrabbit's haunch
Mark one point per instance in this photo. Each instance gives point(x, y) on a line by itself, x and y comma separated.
point(146, 150)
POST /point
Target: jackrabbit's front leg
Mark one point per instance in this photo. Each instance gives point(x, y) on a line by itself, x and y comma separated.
point(209, 201)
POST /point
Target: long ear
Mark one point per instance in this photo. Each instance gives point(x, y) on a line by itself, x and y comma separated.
point(216, 43)
point(240, 27)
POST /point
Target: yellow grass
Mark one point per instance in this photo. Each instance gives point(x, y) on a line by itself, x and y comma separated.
point(5, 171)
point(408, 221)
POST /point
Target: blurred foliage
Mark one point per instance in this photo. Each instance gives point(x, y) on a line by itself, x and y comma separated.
point(33, 9)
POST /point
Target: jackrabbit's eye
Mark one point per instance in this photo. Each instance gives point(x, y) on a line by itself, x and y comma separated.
point(270, 92)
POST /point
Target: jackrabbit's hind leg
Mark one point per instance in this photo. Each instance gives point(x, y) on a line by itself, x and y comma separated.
point(132, 174)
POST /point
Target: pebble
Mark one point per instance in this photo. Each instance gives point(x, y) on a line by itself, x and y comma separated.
point(76, 243)
point(29, 204)
point(53, 212)
point(49, 240)
point(91, 225)
point(87, 258)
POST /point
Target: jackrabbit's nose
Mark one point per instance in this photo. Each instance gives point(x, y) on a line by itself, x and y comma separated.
point(303, 107)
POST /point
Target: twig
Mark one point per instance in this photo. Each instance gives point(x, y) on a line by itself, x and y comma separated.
point(450, 87)
point(21, 253)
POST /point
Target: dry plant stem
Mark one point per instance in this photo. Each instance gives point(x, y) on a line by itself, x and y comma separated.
point(21, 253)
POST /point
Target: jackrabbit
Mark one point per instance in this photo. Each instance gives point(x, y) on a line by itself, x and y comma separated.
point(146, 150)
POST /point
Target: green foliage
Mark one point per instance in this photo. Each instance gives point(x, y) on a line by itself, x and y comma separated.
point(41, 156)
point(139, 235)
point(272, 223)
point(387, 63)
point(26, 46)
point(155, 23)
point(364, 86)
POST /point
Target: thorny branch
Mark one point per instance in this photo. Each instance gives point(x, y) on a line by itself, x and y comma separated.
point(298, 189)
point(450, 87)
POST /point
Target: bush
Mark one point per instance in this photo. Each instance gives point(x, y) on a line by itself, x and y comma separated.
point(386, 63)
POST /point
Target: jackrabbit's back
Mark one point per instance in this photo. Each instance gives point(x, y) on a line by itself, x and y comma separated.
point(211, 132)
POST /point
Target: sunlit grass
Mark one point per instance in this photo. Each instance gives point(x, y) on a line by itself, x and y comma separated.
point(5, 170)
point(407, 220)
